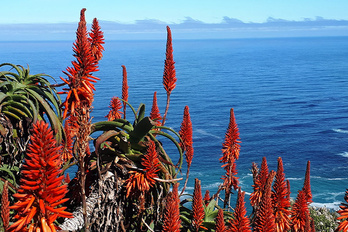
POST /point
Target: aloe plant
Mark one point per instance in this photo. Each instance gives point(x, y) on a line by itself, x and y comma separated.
point(25, 98)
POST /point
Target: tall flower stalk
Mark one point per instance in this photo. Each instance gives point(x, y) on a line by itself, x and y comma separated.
point(186, 144)
point(220, 223)
point(281, 200)
point(260, 179)
point(169, 76)
point(155, 114)
point(5, 204)
point(300, 211)
point(265, 221)
point(41, 190)
point(172, 220)
point(197, 207)
point(124, 89)
point(307, 183)
point(230, 153)
point(240, 222)
point(78, 103)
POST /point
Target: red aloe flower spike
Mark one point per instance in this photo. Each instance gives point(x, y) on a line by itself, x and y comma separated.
point(169, 77)
point(231, 147)
point(41, 189)
point(124, 89)
point(140, 182)
point(186, 133)
point(5, 204)
point(155, 114)
point(197, 207)
point(220, 223)
point(307, 184)
point(151, 163)
point(80, 89)
point(240, 222)
point(115, 106)
point(300, 212)
point(280, 200)
point(343, 223)
point(206, 198)
point(186, 144)
point(264, 221)
point(256, 195)
point(96, 38)
point(172, 220)
point(230, 153)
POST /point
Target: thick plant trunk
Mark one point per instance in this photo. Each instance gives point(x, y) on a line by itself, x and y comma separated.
point(104, 207)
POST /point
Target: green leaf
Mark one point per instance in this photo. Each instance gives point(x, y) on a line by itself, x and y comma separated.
point(112, 125)
point(140, 113)
point(174, 141)
point(10, 114)
point(5, 168)
point(20, 106)
point(140, 130)
point(55, 122)
point(15, 110)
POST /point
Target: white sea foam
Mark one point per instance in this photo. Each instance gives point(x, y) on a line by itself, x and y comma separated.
point(294, 178)
point(340, 131)
point(338, 178)
point(247, 193)
point(213, 185)
point(204, 132)
point(344, 154)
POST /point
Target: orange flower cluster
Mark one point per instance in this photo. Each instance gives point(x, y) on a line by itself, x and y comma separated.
point(281, 200)
point(299, 212)
point(41, 191)
point(115, 106)
point(155, 114)
point(343, 224)
point(240, 222)
point(96, 40)
point(88, 52)
point(169, 78)
point(206, 197)
point(186, 136)
point(124, 89)
point(5, 210)
point(220, 223)
point(300, 216)
point(260, 178)
point(274, 211)
point(230, 153)
point(172, 213)
point(140, 182)
point(264, 221)
point(197, 207)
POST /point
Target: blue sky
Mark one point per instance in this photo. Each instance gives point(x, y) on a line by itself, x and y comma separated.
point(133, 19)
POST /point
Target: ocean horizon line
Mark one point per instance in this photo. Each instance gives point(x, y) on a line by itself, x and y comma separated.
point(182, 39)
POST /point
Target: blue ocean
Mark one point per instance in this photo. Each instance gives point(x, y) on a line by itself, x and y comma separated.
point(289, 95)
